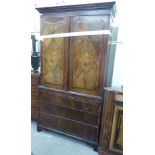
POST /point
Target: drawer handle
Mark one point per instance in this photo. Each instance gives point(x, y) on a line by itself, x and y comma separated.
point(46, 99)
point(85, 107)
point(85, 118)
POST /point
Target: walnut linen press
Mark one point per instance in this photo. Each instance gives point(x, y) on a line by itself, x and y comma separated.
point(74, 69)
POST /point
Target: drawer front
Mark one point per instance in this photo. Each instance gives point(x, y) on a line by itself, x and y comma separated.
point(69, 113)
point(69, 127)
point(70, 102)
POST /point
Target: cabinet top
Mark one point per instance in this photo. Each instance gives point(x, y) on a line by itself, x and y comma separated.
point(110, 7)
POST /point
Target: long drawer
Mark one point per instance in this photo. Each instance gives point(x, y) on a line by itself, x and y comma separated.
point(67, 126)
point(73, 114)
point(66, 100)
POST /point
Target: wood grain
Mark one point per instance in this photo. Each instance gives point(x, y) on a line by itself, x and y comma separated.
point(54, 63)
point(85, 55)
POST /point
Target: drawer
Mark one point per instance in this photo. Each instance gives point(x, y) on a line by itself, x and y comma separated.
point(57, 99)
point(68, 126)
point(88, 107)
point(69, 113)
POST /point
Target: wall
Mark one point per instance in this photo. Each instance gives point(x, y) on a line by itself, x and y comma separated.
point(117, 79)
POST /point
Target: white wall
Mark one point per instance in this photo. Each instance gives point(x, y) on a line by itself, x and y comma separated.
point(35, 20)
point(117, 80)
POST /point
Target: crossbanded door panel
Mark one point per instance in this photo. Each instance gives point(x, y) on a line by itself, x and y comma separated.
point(54, 52)
point(85, 55)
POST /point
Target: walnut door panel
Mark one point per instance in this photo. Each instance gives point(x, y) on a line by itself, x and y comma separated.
point(54, 52)
point(85, 55)
point(69, 127)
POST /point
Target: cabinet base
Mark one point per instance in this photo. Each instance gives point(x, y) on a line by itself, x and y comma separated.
point(92, 144)
point(108, 153)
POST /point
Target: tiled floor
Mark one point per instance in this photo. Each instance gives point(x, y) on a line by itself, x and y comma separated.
point(49, 143)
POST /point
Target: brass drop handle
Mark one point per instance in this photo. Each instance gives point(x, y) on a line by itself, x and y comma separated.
point(85, 118)
point(48, 108)
point(85, 107)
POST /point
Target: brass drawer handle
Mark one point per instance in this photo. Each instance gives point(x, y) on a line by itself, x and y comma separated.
point(85, 118)
point(86, 107)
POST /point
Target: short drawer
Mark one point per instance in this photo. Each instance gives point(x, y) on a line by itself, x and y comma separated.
point(69, 113)
point(68, 126)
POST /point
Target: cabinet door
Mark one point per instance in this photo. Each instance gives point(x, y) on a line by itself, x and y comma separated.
point(54, 52)
point(86, 52)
